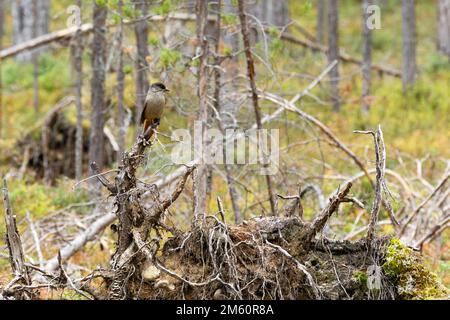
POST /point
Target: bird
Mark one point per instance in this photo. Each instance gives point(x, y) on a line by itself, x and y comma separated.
point(154, 104)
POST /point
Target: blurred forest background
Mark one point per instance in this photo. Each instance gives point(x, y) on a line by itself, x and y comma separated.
point(72, 90)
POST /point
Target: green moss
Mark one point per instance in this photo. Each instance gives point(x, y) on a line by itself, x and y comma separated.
point(413, 280)
point(361, 277)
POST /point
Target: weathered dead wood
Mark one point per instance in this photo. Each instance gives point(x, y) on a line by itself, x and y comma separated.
point(424, 202)
point(288, 105)
point(319, 222)
point(251, 76)
point(342, 55)
point(87, 28)
point(14, 244)
point(380, 186)
point(433, 233)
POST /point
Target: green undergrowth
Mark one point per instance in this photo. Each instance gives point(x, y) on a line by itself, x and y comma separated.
point(412, 278)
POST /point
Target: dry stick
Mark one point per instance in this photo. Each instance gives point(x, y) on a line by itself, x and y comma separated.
point(433, 233)
point(286, 105)
point(342, 55)
point(13, 241)
point(87, 28)
point(251, 76)
point(380, 153)
point(424, 202)
point(68, 280)
point(37, 243)
point(319, 222)
point(300, 266)
point(75, 245)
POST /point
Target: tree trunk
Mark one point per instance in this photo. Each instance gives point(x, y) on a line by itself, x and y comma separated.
point(120, 90)
point(268, 12)
point(23, 22)
point(218, 106)
point(333, 51)
point(367, 59)
point(200, 173)
point(276, 12)
point(251, 76)
point(2, 28)
point(321, 14)
point(77, 51)
point(444, 27)
point(98, 59)
point(409, 43)
point(141, 33)
point(35, 58)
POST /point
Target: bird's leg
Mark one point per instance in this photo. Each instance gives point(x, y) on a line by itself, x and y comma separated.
point(155, 125)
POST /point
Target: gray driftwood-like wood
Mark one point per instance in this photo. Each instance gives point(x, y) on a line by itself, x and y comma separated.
point(14, 243)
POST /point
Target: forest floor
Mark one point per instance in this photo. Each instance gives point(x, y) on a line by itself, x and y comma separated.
point(415, 130)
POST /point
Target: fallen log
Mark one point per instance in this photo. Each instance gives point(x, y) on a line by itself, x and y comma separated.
point(87, 28)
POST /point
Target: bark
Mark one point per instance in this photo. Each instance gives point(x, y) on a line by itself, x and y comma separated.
point(333, 51)
point(321, 14)
point(23, 22)
point(409, 43)
point(444, 27)
point(200, 173)
point(98, 59)
point(14, 244)
point(230, 35)
point(218, 106)
point(141, 33)
point(77, 51)
point(68, 33)
point(251, 76)
point(2, 28)
point(268, 12)
point(120, 90)
point(367, 59)
point(276, 12)
point(35, 58)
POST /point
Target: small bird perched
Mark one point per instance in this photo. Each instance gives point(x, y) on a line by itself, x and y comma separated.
point(153, 107)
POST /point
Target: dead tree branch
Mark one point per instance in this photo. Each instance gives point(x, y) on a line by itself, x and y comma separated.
point(251, 76)
point(319, 222)
point(14, 243)
point(380, 154)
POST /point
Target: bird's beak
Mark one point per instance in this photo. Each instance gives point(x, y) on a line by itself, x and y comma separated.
point(166, 90)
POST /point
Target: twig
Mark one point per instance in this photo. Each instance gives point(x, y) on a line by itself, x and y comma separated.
point(13, 241)
point(320, 221)
point(424, 202)
point(251, 76)
point(300, 266)
point(380, 153)
point(433, 233)
point(36, 239)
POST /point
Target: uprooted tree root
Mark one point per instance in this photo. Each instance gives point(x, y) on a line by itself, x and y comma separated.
point(264, 259)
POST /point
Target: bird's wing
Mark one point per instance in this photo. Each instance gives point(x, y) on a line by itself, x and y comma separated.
point(143, 111)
